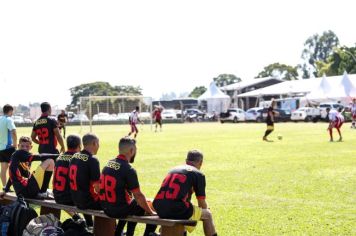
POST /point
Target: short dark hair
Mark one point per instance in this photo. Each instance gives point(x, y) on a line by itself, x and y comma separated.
point(7, 108)
point(89, 138)
point(25, 139)
point(194, 156)
point(73, 141)
point(45, 106)
point(137, 108)
point(126, 142)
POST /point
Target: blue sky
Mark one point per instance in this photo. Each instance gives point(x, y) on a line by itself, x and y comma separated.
point(47, 47)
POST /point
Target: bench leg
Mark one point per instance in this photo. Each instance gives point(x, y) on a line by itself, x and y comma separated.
point(47, 210)
point(104, 226)
point(177, 230)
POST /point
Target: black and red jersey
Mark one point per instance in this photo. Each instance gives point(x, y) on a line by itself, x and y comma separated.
point(61, 188)
point(44, 128)
point(157, 114)
point(173, 199)
point(84, 171)
point(20, 173)
point(118, 180)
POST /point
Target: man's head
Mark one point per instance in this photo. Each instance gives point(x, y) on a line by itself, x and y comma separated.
point(63, 112)
point(8, 110)
point(354, 100)
point(91, 143)
point(46, 108)
point(195, 158)
point(25, 143)
point(127, 147)
point(74, 143)
point(327, 109)
point(137, 108)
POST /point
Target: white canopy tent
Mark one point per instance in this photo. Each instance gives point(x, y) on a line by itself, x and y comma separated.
point(337, 88)
point(216, 100)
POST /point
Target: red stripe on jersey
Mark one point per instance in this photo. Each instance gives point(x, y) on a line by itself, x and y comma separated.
point(127, 197)
point(201, 197)
point(122, 157)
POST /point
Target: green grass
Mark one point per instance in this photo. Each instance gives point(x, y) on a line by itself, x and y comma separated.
point(301, 185)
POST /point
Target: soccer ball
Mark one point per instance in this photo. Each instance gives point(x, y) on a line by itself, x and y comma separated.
point(279, 137)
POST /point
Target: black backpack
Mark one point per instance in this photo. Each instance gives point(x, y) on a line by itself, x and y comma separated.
point(75, 226)
point(15, 217)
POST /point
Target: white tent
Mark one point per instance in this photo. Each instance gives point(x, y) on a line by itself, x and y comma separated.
point(321, 91)
point(344, 89)
point(216, 100)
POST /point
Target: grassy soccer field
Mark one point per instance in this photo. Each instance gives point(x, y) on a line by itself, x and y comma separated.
point(300, 185)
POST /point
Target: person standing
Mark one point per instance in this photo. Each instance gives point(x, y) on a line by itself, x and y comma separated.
point(133, 121)
point(62, 120)
point(157, 117)
point(45, 132)
point(270, 120)
point(118, 182)
point(8, 141)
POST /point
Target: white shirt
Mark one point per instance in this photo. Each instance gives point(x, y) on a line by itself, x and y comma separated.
point(134, 117)
point(332, 115)
point(353, 108)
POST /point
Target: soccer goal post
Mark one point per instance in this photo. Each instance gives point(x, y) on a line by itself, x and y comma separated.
point(101, 110)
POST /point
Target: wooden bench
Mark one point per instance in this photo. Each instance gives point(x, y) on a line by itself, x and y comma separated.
point(103, 224)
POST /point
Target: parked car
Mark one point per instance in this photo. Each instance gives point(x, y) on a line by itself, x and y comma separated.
point(194, 114)
point(169, 114)
point(233, 114)
point(254, 114)
point(18, 119)
point(306, 114)
point(79, 118)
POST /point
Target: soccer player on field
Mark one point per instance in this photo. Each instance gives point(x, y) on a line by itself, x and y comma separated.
point(173, 200)
point(62, 120)
point(8, 140)
point(270, 120)
point(157, 117)
point(336, 119)
point(133, 121)
point(84, 174)
point(353, 113)
point(45, 132)
point(117, 182)
point(27, 184)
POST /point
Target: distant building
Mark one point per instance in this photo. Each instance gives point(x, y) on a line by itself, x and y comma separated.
point(233, 90)
point(177, 104)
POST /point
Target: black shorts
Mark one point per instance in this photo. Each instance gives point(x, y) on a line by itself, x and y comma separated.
point(90, 205)
point(5, 155)
point(159, 121)
point(30, 191)
point(270, 123)
point(122, 212)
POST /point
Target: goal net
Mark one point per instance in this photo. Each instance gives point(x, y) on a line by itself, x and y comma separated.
point(101, 110)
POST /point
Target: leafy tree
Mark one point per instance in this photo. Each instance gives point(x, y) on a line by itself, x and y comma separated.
point(317, 49)
point(278, 70)
point(102, 89)
point(342, 59)
point(197, 91)
point(226, 79)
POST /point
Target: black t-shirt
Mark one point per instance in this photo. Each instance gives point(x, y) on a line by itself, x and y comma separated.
point(84, 171)
point(62, 118)
point(44, 128)
point(270, 114)
point(20, 174)
point(61, 188)
point(173, 199)
point(117, 182)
